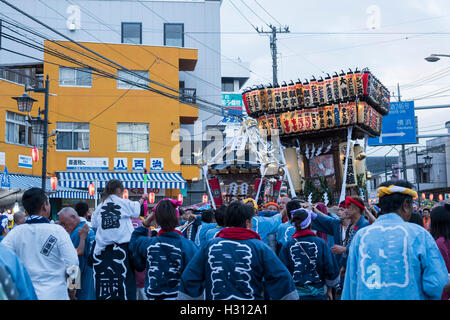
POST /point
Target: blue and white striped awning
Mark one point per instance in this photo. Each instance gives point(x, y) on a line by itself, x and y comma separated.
point(163, 180)
point(25, 182)
point(72, 194)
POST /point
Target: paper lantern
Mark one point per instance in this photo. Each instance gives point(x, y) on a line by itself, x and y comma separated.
point(423, 196)
point(441, 197)
point(125, 193)
point(91, 189)
point(151, 197)
point(35, 154)
point(180, 197)
point(54, 182)
point(205, 198)
point(431, 197)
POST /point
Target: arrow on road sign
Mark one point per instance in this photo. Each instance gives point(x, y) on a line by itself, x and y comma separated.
point(397, 134)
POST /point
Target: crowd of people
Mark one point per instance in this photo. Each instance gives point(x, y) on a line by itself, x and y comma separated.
point(289, 249)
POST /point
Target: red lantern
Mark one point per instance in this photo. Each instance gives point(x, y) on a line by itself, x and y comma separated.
point(54, 182)
point(125, 193)
point(180, 197)
point(151, 197)
point(205, 198)
point(441, 197)
point(423, 196)
point(91, 189)
point(35, 154)
point(431, 197)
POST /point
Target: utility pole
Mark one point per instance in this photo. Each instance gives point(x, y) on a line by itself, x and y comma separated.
point(273, 47)
point(403, 146)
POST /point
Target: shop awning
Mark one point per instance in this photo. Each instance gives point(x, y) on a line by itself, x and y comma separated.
point(21, 182)
point(163, 180)
point(72, 194)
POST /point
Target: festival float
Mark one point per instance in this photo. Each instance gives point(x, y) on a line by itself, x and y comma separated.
point(318, 123)
point(241, 170)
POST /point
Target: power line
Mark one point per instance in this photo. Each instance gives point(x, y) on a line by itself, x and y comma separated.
point(268, 13)
point(110, 75)
point(206, 46)
point(262, 20)
point(145, 49)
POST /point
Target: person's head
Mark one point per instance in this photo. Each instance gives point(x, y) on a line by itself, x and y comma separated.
point(208, 216)
point(322, 208)
point(239, 215)
point(292, 205)
point(426, 212)
point(272, 206)
point(301, 219)
point(82, 209)
point(69, 219)
point(342, 211)
point(355, 207)
point(415, 218)
point(440, 222)
point(3, 225)
point(396, 196)
point(283, 202)
point(166, 215)
point(114, 187)
point(219, 214)
point(36, 202)
point(19, 218)
point(252, 204)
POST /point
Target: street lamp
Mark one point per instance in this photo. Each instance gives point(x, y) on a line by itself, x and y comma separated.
point(435, 57)
point(37, 124)
point(25, 104)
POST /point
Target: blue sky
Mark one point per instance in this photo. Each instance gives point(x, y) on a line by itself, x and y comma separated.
point(393, 58)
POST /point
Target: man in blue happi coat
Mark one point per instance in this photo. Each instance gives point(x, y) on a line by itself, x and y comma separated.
point(393, 259)
point(232, 265)
point(82, 237)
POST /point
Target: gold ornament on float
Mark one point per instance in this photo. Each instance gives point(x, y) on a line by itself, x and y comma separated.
point(201, 163)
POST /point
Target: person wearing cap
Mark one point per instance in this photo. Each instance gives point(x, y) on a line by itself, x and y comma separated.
point(344, 228)
point(264, 226)
point(232, 265)
point(3, 226)
point(309, 260)
point(272, 206)
point(393, 259)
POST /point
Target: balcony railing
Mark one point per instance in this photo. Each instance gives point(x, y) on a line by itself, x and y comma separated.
point(22, 78)
point(188, 95)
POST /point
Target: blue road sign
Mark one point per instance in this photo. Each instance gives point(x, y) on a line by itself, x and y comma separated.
point(5, 181)
point(399, 126)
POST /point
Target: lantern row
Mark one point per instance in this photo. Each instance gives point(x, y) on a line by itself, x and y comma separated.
point(342, 88)
point(332, 116)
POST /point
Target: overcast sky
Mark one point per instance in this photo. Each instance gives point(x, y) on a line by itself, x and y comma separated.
point(393, 58)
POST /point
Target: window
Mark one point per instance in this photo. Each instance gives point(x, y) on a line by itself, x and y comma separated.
point(122, 74)
point(18, 131)
point(76, 77)
point(174, 34)
point(72, 136)
point(227, 85)
point(132, 137)
point(132, 32)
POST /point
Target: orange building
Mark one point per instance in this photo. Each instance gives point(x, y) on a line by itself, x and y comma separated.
point(104, 128)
